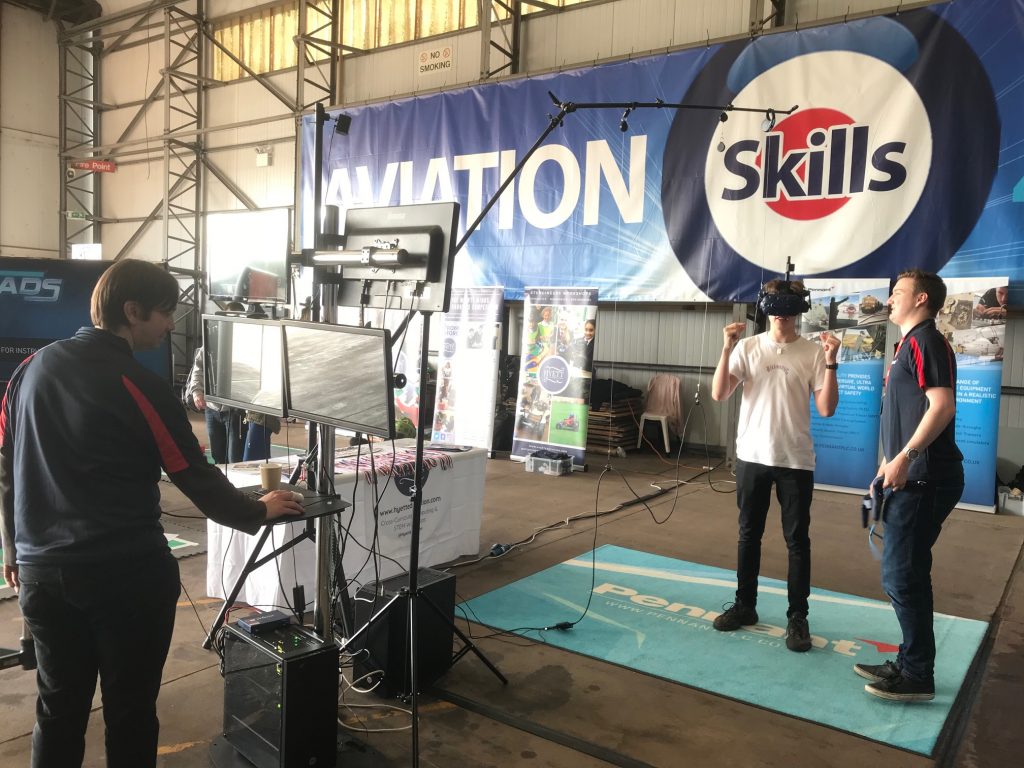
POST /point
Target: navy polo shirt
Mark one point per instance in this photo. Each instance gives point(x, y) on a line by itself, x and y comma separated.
point(923, 359)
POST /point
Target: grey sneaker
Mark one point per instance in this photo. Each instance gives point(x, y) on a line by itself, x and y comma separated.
point(876, 673)
point(736, 615)
point(902, 688)
point(798, 634)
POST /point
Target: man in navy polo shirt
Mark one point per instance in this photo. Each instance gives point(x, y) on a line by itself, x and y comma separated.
point(922, 480)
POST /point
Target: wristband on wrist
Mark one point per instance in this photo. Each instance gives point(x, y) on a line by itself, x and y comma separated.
point(831, 366)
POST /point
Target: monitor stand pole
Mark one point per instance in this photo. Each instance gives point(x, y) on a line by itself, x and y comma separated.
point(413, 591)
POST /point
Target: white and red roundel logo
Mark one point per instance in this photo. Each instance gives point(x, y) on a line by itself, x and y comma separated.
point(831, 182)
point(886, 164)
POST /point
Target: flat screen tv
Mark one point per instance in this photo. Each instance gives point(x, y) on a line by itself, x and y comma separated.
point(242, 363)
point(247, 256)
point(340, 375)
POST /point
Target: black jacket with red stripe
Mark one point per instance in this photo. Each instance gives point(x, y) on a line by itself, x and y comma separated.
point(84, 432)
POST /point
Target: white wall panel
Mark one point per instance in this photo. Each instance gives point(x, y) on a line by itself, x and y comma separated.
point(28, 195)
point(640, 25)
point(28, 72)
point(268, 187)
point(149, 245)
point(29, 178)
point(133, 190)
point(130, 74)
point(806, 11)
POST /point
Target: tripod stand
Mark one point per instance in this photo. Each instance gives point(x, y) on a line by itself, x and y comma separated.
point(413, 594)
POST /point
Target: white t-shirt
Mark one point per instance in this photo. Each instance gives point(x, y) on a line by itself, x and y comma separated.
point(774, 426)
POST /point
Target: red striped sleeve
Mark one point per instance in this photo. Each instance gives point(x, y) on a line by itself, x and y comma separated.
point(3, 403)
point(3, 417)
point(918, 362)
point(170, 455)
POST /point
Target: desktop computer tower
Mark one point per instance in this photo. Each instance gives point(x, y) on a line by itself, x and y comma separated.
point(281, 697)
point(381, 652)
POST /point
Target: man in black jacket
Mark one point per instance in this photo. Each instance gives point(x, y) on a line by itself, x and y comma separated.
point(84, 432)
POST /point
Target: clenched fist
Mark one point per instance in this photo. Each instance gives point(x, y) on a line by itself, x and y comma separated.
point(731, 334)
point(831, 346)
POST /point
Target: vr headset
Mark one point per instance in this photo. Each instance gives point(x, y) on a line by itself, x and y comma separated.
point(787, 301)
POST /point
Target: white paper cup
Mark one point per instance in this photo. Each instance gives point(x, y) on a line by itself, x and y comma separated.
point(270, 477)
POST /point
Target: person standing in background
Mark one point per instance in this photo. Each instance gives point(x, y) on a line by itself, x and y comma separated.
point(223, 423)
point(235, 435)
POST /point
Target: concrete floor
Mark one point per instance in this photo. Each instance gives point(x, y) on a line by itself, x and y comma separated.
point(567, 711)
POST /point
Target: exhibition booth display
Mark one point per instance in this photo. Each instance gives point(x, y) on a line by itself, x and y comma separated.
point(375, 542)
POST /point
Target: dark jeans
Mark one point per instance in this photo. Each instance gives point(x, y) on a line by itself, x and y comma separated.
point(110, 619)
point(913, 519)
point(793, 488)
point(257, 443)
point(224, 428)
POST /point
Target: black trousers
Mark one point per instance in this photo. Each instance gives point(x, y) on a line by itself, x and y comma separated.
point(110, 619)
point(793, 488)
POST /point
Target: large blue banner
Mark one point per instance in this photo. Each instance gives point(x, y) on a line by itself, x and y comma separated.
point(904, 151)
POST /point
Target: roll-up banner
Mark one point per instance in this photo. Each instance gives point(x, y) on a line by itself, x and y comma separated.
point(467, 372)
point(406, 361)
point(973, 320)
point(846, 444)
point(901, 121)
point(559, 331)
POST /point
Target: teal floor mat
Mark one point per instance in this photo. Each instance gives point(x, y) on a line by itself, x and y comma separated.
point(654, 614)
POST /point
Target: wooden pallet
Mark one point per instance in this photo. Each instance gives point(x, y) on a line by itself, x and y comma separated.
point(615, 426)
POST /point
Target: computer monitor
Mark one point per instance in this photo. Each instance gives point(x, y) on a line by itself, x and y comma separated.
point(340, 375)
point(422, 279)
point(242, 363)
point(247, 256)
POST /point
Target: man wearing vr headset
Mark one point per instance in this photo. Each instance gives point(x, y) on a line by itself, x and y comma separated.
point(922, 478)
point(779, 370)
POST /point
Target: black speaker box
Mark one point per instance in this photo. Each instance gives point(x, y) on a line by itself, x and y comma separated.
point(381, 651)
point(281, 697)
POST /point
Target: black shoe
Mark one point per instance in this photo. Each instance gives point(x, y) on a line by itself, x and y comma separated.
point(798, 634)
point(736, 615)
point(877, 672)
point(902, 689)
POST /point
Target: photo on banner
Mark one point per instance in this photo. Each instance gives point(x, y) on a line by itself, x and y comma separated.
point(846, 444)
point(467, 372)
point(973, 320)
point(405, 356)
point(559, 334)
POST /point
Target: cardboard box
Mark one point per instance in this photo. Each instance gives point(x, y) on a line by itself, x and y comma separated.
point(1011, 505)
point(549, 466)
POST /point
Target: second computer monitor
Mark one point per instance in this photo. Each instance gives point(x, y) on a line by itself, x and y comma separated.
point(242, 363)
point(340, 375)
